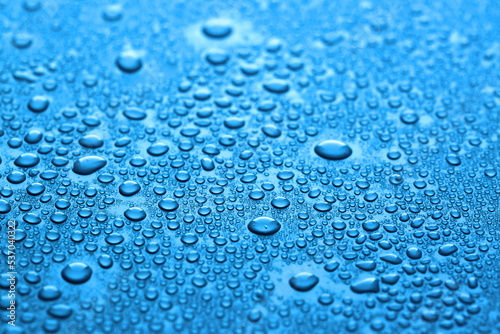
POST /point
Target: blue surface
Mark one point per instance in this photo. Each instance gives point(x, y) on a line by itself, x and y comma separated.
point(250, 167)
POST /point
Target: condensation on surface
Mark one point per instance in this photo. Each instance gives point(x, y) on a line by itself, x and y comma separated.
point(250, 167)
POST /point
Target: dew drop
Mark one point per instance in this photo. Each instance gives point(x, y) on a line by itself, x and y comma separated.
point(27, 160)
point(38, 104)
point(76, 273)
point(217, 29)
point(333, 150)
point(88, 165)
point(129, 62)
point(264, 226)
point(303, 282)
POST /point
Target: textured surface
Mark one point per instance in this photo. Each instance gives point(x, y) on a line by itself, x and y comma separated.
point(254, 167)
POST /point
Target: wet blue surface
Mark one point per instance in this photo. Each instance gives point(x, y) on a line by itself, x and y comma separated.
point(250, 167)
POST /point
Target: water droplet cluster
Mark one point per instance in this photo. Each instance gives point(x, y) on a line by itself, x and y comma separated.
point(273, 167)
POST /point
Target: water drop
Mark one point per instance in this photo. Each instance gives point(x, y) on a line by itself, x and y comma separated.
point(217, 29)
point(333, 150)
point(264, 226)
point(76, 273)
point(88, 165)
point(304, 281)
point(129, 62)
